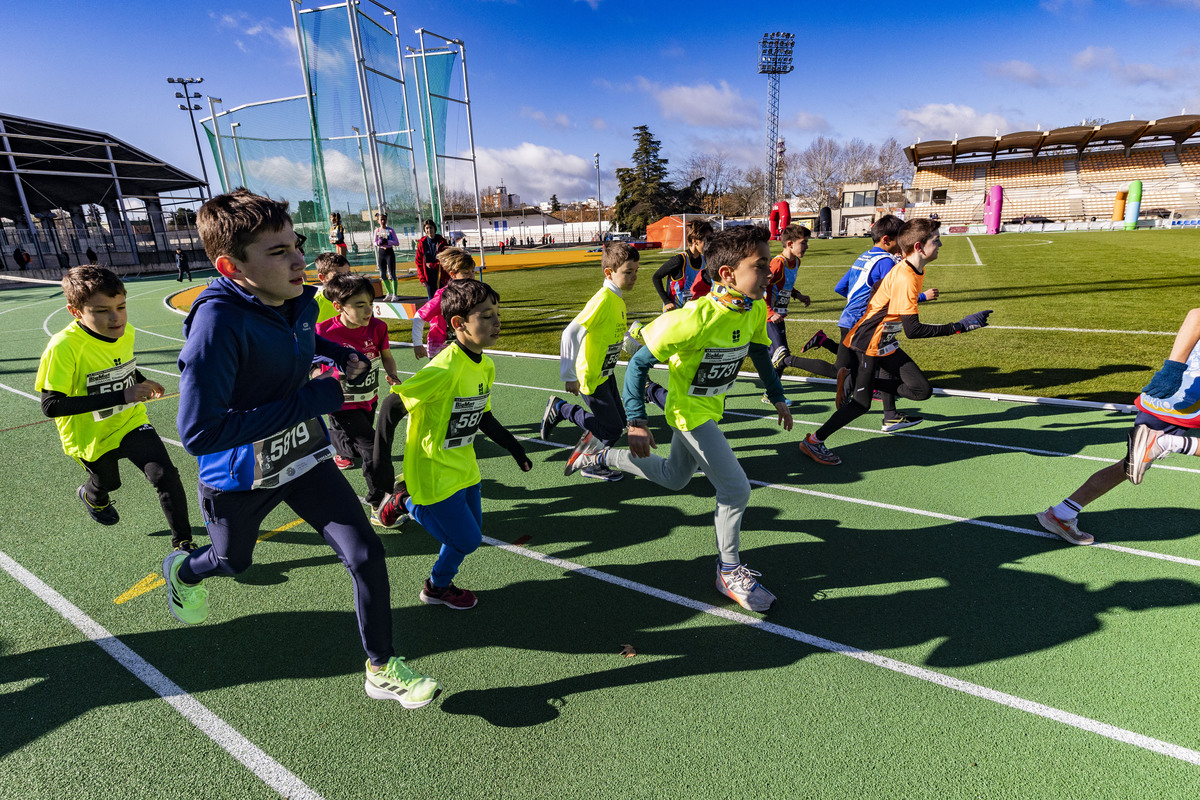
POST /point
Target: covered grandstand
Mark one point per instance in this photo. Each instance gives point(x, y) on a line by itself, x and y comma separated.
point(1065, 175)
point(68, 189)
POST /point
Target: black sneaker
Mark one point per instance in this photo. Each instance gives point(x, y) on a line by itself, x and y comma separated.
point(550, 418)
point(602, 473)
point(187, 546)
point(105, 515)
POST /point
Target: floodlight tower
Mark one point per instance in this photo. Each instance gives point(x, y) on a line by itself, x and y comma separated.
point(774, 59)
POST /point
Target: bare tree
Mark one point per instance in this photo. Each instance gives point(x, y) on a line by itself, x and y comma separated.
point(818, 173)
point(859, 161)
point(747, 194)
point(893, 164)
point(715, 171)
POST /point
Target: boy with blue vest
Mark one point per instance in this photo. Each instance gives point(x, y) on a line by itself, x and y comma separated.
point(92, 389)
point(681, 269)
point(705, 343)
point(250, 413)
point(1167, 419)
point(856, 286)
point(447, 402)
point(588, 355)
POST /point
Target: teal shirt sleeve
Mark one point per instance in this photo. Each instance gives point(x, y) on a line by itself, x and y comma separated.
point(636, 375)
point(760, 355)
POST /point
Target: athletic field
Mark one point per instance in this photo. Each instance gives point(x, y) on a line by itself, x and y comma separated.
point(929, 639)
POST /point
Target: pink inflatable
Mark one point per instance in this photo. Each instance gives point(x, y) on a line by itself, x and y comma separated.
point(780, 217)
point(993, 207)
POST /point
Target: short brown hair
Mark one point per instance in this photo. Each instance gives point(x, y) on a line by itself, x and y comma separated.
point(459, 297)
point(453, 259)
point(80, 283)
point(342, 287)
point(916, 231)
point(229, 222)
point(794, 233)
point(617, 253)
point(328, 263)
point(699, 230)
point(730, 246)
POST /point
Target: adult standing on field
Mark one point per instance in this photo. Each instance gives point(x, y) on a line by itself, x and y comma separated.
point(429, 271)
point(385, 257)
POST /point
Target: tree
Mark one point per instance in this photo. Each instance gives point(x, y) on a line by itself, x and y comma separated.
point(554, 205)
point(644, 195)
point(893, 164)
point(817, 171)
point(747, 193)
point(184, 218)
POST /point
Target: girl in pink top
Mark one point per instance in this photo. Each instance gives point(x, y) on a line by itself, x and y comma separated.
point(461, 267)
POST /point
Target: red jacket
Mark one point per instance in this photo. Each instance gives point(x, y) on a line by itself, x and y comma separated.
point(427, 250)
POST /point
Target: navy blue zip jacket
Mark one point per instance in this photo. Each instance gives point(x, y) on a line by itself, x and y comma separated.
point(244, 376)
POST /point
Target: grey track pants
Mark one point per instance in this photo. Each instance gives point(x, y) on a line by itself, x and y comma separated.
point(704, 447)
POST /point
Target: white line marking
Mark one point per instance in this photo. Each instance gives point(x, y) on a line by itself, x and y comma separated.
point(1080, 330)
point(903, 668)
point(18, 391)
point(267, 769)
point(159, 371)
point(160, 335)
point(974, 252)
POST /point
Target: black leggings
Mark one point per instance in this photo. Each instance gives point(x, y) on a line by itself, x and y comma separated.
point(143, 449)
point(845, 358)
point(898, 374)
point(382, 472)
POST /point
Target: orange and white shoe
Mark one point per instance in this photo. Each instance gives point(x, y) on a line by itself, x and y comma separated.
point(1068, 530)
point(1144, 448)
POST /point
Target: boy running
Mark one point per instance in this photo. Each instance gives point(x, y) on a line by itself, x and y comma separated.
point(704, 344)
point(92, 389)
point(588, 355)
point(357, 328)
point(448, 402)
point(892, 307)
point(250, 413)
point(461, 267)
point(1168, 416)
point(682, 268)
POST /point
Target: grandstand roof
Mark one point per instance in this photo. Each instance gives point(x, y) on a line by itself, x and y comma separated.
point(1127, 133)
point(59, 166)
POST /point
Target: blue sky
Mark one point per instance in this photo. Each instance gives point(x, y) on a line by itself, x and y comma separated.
point(553, 82)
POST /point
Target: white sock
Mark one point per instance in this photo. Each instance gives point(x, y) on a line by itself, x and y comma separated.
point(1067, 510)
point(1172, 443)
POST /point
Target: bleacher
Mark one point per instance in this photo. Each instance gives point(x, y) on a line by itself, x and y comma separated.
point(1112, 166)
point(1023, 173)
point(956, 179)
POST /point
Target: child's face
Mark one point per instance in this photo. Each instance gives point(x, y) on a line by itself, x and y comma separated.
point(624, 276)
point(273, 269)
point(480, 328)
point(751, 275)
point(104, 314)
point(357, 311)
point(798, 247)
point(333, 269)
point(430, 230)
point(929, 250)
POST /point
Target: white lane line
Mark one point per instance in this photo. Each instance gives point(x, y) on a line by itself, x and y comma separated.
point(974, 252)
point(267, 769)
point(920, 673)
point(18, 391)
point(159, 335)
point(159, 371)
point(1081, 330)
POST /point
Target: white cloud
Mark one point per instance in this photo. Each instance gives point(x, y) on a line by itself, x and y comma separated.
point(559, 121)
point(283, 36)
point(598, 124)
point(1021, 72)
point(1098, 59)
point(804, 121)
point(535, 171)
point(949, 120)
point(703, 105)
point(1095, 58)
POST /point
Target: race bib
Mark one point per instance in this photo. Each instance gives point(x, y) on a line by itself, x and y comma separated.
point(717, 371)
point(464, 421)
point(366, 391)
point(289, 454)
point(610, 360)
point(782, 300)
point(887, 342)
point(113, 379)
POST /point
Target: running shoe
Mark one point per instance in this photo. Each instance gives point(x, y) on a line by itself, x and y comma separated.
point(392, 512)
point(767, 401)
point(588, 452)
point(819, 338)
point(397, 681)
point(845, 387)
point(818, 452)
point(188, 604)
point(741, 587)
point(343, 463)
point(187, 545)
point(899, 422)
point(1143, 449)
point(1064, 529)
point(550, 418)
point(602, 473)
point(105, 514)
point(778, 356)
point(451, 596)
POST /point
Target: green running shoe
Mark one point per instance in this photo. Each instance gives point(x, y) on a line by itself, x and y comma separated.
point(397, 681)
point(188, 604)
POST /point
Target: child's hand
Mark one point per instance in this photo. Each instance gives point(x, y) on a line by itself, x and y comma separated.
point(668, 307)
point(573, 387)
point(641, 441)
point(785, 416)
point(803, 298)
point(156, 388)
point(140, 392)
point(355, 368)
point(773, 317)
point(420, 352)
point(393, 380)
point(931, 294)
point(524, 463)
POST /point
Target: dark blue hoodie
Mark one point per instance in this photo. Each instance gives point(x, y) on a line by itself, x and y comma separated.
point(244, 377)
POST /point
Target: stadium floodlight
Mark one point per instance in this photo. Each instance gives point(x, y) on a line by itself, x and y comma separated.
point(187, 95)
point(599, 234)
point(774, 59)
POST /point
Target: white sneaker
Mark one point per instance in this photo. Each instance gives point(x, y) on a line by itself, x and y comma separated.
point(741, 587)
point(1143, 449)
point(1067, 530)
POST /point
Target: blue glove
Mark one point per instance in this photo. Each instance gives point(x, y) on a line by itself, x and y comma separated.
point(1166, 381)
point(977, 320)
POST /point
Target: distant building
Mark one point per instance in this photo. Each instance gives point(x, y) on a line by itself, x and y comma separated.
point(499, 199)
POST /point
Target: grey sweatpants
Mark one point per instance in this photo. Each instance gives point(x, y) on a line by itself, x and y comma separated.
point(704, 447)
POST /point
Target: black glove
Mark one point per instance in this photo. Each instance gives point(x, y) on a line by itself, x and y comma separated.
point(969, 323)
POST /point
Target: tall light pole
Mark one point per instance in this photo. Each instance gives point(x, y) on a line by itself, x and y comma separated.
point(187, 96)
point(599, 235)
point(774, 59)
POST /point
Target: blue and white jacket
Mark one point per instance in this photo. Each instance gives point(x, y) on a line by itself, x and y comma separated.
point(244, 377)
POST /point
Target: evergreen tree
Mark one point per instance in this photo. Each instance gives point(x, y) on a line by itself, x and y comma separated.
point(554, 206)
point(645, 195)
